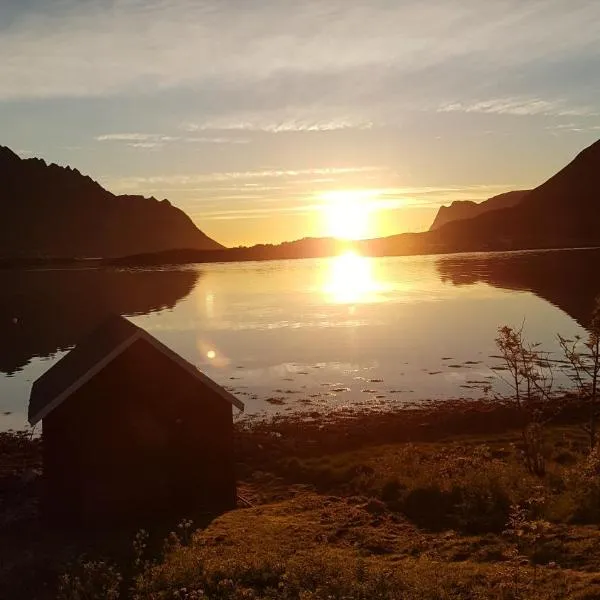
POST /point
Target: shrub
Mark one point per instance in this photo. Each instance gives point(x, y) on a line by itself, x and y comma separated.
point(323, 574)
point(391, 491)
point(584, 359)
point(583, 489)
point(90, 580)
point(470, 491)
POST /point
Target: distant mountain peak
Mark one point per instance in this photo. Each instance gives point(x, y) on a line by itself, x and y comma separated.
point(6, 154)
point(467, 209)
point(55, 211)
point(562, 212)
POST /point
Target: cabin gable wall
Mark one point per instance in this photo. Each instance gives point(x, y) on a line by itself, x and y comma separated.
point(142, 437)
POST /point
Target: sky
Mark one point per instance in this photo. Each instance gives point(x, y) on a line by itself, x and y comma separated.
point(274, 120)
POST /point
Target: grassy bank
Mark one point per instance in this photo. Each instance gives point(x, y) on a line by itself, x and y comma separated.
point(431, 503)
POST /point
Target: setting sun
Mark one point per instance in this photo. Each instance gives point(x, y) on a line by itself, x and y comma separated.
point(348, 213)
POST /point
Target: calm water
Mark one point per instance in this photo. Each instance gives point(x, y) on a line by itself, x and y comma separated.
point(307, 334)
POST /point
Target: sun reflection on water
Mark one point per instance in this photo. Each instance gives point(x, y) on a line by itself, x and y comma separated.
point(350, 279)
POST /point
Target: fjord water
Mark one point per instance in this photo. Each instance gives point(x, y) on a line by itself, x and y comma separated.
point(318, 334)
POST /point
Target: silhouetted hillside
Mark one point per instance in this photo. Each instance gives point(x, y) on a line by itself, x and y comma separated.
point(304, 248)
point(467, 209)
point(52, 211)
point(562, 212)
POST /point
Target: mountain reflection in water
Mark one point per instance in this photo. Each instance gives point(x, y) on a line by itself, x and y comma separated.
point(44, 311)
point(568, 279)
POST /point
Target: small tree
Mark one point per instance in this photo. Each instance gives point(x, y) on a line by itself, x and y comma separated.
point(531, 379)
point(531, 375)
point(528, 531)
point(584, 358)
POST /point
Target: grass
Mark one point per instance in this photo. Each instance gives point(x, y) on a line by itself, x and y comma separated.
point(424, 504)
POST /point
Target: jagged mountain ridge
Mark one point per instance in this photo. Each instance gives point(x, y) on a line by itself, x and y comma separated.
point(52, 211)
point(467, 209)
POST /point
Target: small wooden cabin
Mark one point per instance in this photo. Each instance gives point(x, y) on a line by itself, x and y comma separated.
point(132, 431)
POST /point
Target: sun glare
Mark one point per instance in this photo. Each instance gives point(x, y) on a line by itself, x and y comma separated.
point(350, 279)
point(348, 213)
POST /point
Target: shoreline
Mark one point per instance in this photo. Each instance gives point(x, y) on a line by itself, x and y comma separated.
point(232, 255)
point(313, 433)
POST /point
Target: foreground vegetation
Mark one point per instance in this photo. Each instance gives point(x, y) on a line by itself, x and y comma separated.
point(400, 505)
point(455, 500)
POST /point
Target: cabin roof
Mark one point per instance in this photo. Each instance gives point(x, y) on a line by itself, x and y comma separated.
point(92, 355)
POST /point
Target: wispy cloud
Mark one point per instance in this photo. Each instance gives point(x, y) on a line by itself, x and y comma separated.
point(256, 206)
point(146, 145)
point(155, 140)
point(216, 140)
point(572, 127)
point(254, 194)
point(276, 122)
point(255, 213)
point(134, 137)
point(520, 107)
point(193, 179)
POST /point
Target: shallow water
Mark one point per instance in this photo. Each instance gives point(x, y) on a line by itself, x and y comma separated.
point(311, 334)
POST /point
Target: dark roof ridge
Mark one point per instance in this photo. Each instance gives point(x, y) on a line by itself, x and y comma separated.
point(104, 344)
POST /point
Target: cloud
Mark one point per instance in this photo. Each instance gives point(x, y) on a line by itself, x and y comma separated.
point(254, 65)
point(134, 137)
point(216, 140)
point(231, 195)
point(255, 213)
point(252, 206)
point(193, 179)
point(281, 121)
point(146, 145)
point(572, 128)
point(520, 107)
point(155, 140)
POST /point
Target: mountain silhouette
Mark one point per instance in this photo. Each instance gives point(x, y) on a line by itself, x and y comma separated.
point(52, 211)
point(466, 209)
point(563, 277)
point(43, 311)
point(562, 212)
